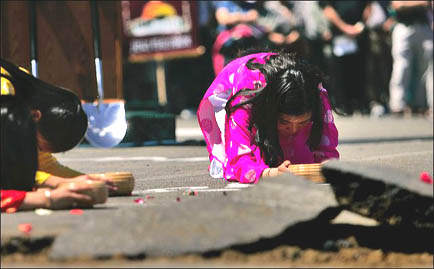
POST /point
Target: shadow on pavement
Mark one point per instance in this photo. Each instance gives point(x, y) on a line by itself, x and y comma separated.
point(332, 237)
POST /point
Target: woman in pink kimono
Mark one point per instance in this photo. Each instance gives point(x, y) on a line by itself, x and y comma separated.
point(263, 112)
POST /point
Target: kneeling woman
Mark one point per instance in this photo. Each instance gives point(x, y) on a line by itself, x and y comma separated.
point(19, 162)
point(263, 112)
point(38, 118)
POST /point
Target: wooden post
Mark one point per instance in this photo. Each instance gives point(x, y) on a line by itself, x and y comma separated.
point(161, 82)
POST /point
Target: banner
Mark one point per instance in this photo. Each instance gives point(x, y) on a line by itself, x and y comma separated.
point(163, 28)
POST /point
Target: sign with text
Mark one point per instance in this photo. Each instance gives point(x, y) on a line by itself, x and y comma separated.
point(159, 28)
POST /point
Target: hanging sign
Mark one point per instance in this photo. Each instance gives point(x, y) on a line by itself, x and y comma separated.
point(160, 29)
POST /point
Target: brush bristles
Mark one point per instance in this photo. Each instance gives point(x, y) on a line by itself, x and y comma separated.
point(310, 171)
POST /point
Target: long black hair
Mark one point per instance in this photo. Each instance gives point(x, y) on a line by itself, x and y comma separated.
point(291, 88)
point(19, 160)
point(63, 122)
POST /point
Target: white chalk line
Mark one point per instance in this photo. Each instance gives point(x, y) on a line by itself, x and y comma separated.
point(229, 187)
point(170, 189)
point(137, 158)
point(218, 190)
point(166, 191)
point(238, 185)
point(188, 132)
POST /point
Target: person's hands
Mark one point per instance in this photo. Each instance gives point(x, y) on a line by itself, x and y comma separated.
point(251, 16)
point(389, 24)
point(284, 167)
point(79, 178)
point(62, 198)
point(42, 189)
point(292, 37)
point(276, 38)
point(234, 18)
point(101, 177)
point(110, 184)
point(353, 30)
point(326, 35)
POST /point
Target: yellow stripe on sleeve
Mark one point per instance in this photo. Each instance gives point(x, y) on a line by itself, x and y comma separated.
point(41, 177)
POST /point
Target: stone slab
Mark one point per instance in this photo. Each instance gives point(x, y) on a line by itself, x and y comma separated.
point(198, 226)
point(388, 195)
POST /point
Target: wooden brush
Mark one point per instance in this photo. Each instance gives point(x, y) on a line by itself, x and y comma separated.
point(311, 171)
point(124, 181)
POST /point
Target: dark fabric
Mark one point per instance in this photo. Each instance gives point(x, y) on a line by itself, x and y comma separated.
point(412, 15)
point(350, 74)
point(385, 7)
point(350, 12)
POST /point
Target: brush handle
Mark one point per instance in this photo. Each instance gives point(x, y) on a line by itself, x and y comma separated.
point(97, 48)
point(95, 28)
point(33, 38)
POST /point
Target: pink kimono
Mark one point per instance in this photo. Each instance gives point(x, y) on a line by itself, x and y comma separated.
point(232, 150)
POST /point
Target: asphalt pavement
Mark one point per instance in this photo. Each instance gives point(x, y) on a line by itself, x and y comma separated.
point(164, 174)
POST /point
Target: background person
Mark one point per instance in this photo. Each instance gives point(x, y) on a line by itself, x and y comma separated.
point(237, 29)
point(411, 84)
point(315, 28)
point(379, 26)
point(282, 26)
point(349, 46)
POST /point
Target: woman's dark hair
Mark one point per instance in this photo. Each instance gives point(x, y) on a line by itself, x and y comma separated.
point(19, 160)
point(291, 88)
point(63, 122)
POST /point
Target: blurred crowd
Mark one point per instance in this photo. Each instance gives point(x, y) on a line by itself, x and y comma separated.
point(376, 54)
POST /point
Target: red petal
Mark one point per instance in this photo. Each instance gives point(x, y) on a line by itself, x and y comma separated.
point(75, 211)
point(11, 210)
point(139, 201)
point(25, 227)
point(425, 177)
